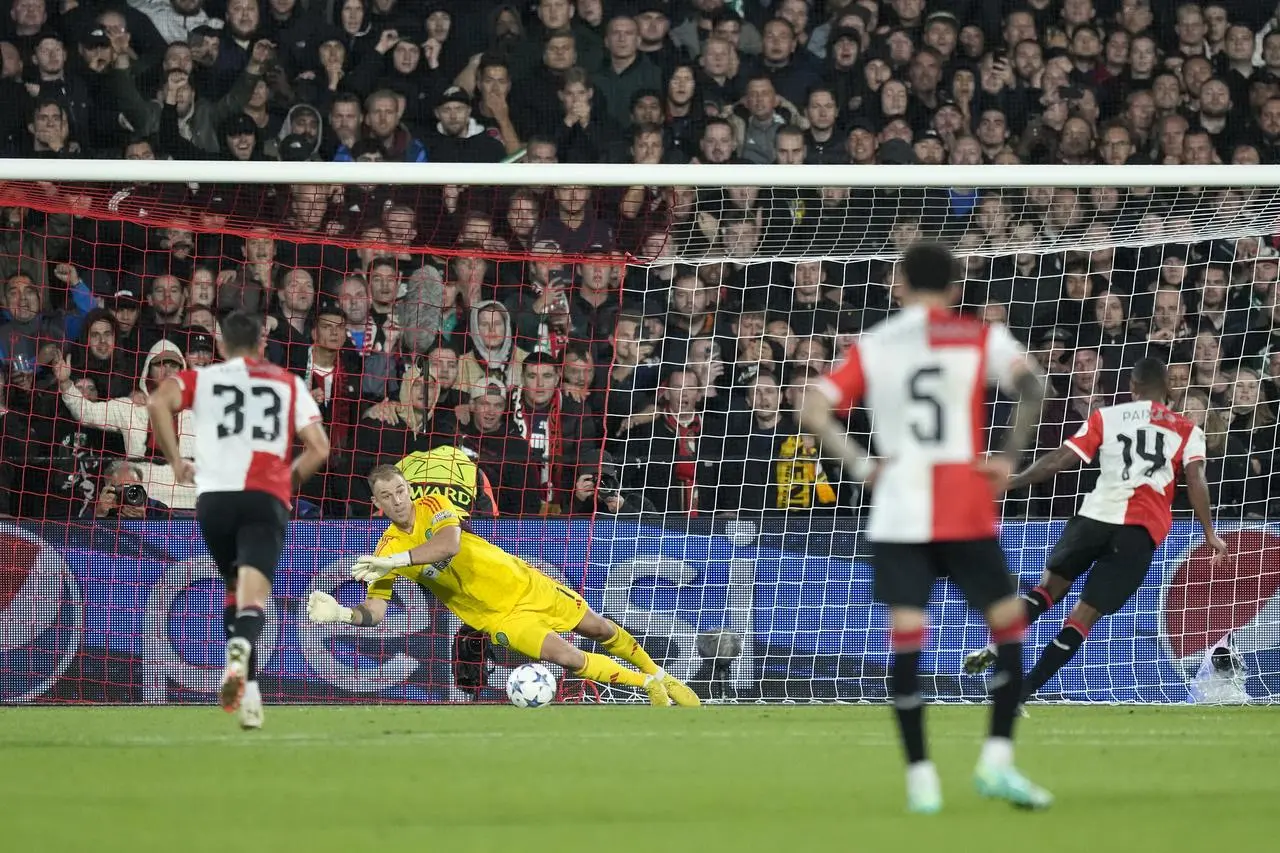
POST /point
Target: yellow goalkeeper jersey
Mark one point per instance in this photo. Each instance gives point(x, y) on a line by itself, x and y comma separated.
point(480, 584)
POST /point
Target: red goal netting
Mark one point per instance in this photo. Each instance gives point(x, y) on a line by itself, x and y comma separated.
point(499, 343)
point(622, 369)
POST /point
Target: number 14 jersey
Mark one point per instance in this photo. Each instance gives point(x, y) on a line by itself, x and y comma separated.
point(1140, 447)
point(924, 375)
point(246, 414)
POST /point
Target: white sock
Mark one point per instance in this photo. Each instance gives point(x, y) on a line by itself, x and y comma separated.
point(997, 751)
point(921, 771)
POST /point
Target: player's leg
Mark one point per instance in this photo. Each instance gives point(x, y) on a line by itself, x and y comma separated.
point(1062, 648)
point(259, 546)
point(980, 570)
point(1113, 581)
point(218, 517)
point(1072, 555)
point(598, 668)
point(904, 578)
point(617, 641)
point(253, 589)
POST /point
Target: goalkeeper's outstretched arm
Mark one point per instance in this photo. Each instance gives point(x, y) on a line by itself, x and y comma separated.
point(323, 607)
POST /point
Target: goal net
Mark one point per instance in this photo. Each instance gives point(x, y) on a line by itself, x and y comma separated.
point(619, 352)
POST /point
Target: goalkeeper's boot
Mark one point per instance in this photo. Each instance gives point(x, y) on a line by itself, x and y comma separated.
point(976, 663)
point(251, 707)
point(236, 673)
point(656, 692)
point(1004, 782)
point(924, 790)
point(679, 692)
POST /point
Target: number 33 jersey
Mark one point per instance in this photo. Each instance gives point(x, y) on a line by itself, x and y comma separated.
point(246, 415)
point(1140, 447)
point(924, 375)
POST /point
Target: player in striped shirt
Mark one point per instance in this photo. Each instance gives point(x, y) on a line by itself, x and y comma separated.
point(1141, 447)
point(925, 373)
point(247, 413)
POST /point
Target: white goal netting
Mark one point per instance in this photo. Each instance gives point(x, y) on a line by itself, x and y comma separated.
point(623, 360)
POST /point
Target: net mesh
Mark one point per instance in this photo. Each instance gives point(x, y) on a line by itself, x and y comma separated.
point(624, 364)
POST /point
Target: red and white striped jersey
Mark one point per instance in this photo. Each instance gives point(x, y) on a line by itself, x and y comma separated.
point(924, 374)
point(246, 413)
point(1141, 447)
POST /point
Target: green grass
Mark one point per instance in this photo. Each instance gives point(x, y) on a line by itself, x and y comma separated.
point(807, 779)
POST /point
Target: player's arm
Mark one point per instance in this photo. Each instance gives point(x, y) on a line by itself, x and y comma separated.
point(1198, 497)
point(1045, 468)
point(1028, 386)
point(315, 452)
point(821, 401)
point(1012, 371)
point(443, 546)
point(323, 607)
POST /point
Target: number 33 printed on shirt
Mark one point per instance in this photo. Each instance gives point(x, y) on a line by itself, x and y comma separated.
point(265, 414)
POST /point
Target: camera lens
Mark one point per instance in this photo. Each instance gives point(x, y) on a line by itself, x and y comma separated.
point(133, 495)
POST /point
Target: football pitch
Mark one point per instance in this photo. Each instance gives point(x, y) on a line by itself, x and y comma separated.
point(789, 779)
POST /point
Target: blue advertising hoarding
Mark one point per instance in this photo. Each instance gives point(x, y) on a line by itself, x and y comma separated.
point(133, 613)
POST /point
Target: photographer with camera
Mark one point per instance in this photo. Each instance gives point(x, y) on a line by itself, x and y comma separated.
point(124, 497)
point(599, 489)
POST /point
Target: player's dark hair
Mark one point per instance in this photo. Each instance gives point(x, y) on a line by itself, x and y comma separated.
point(929, 267)
point(541, 357)
point(241, 332)
point(1150, 378)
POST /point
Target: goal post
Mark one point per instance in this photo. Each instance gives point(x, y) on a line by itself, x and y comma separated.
point(622, 364)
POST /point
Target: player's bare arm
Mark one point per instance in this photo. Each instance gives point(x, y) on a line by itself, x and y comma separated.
point(1045, 468)
point(1198, 496)
point(165, 402)
point(816, 416)
point(315, 452)
point(1029, 387)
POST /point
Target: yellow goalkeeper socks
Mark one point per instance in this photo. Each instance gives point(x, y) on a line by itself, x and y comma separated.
point(623, 645)
point(605, 670)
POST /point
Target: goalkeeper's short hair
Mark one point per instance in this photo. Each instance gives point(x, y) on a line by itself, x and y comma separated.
point(450, 472)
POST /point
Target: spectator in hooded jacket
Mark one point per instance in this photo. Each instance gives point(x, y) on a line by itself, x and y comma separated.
point(493, 353)
point(128, 416)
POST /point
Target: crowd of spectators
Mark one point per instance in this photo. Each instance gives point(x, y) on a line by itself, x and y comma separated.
point(509, 321)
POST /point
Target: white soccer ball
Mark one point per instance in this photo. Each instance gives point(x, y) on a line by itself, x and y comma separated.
point(531, 685)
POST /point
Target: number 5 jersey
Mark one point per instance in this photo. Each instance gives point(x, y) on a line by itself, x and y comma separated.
point(924, 374)
point(1140, 447)
point(246, 413)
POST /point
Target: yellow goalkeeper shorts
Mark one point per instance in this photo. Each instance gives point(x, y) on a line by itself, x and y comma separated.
point(546, 608)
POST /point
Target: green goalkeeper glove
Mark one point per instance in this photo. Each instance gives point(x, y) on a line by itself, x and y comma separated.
point(323, 607)
point(369, 568)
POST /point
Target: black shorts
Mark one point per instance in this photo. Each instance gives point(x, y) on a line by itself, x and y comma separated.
point(1119, 555)
point(242, 529)
point(905, 572)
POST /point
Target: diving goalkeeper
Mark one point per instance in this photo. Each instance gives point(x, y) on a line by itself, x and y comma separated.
point(492, 591)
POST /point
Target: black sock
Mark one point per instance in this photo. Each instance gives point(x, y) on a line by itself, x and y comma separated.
point(1036, 602)
point(249, 622)
point(1055, 656)
point(1006, 688)
point(229, 614)
point(907, 703)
